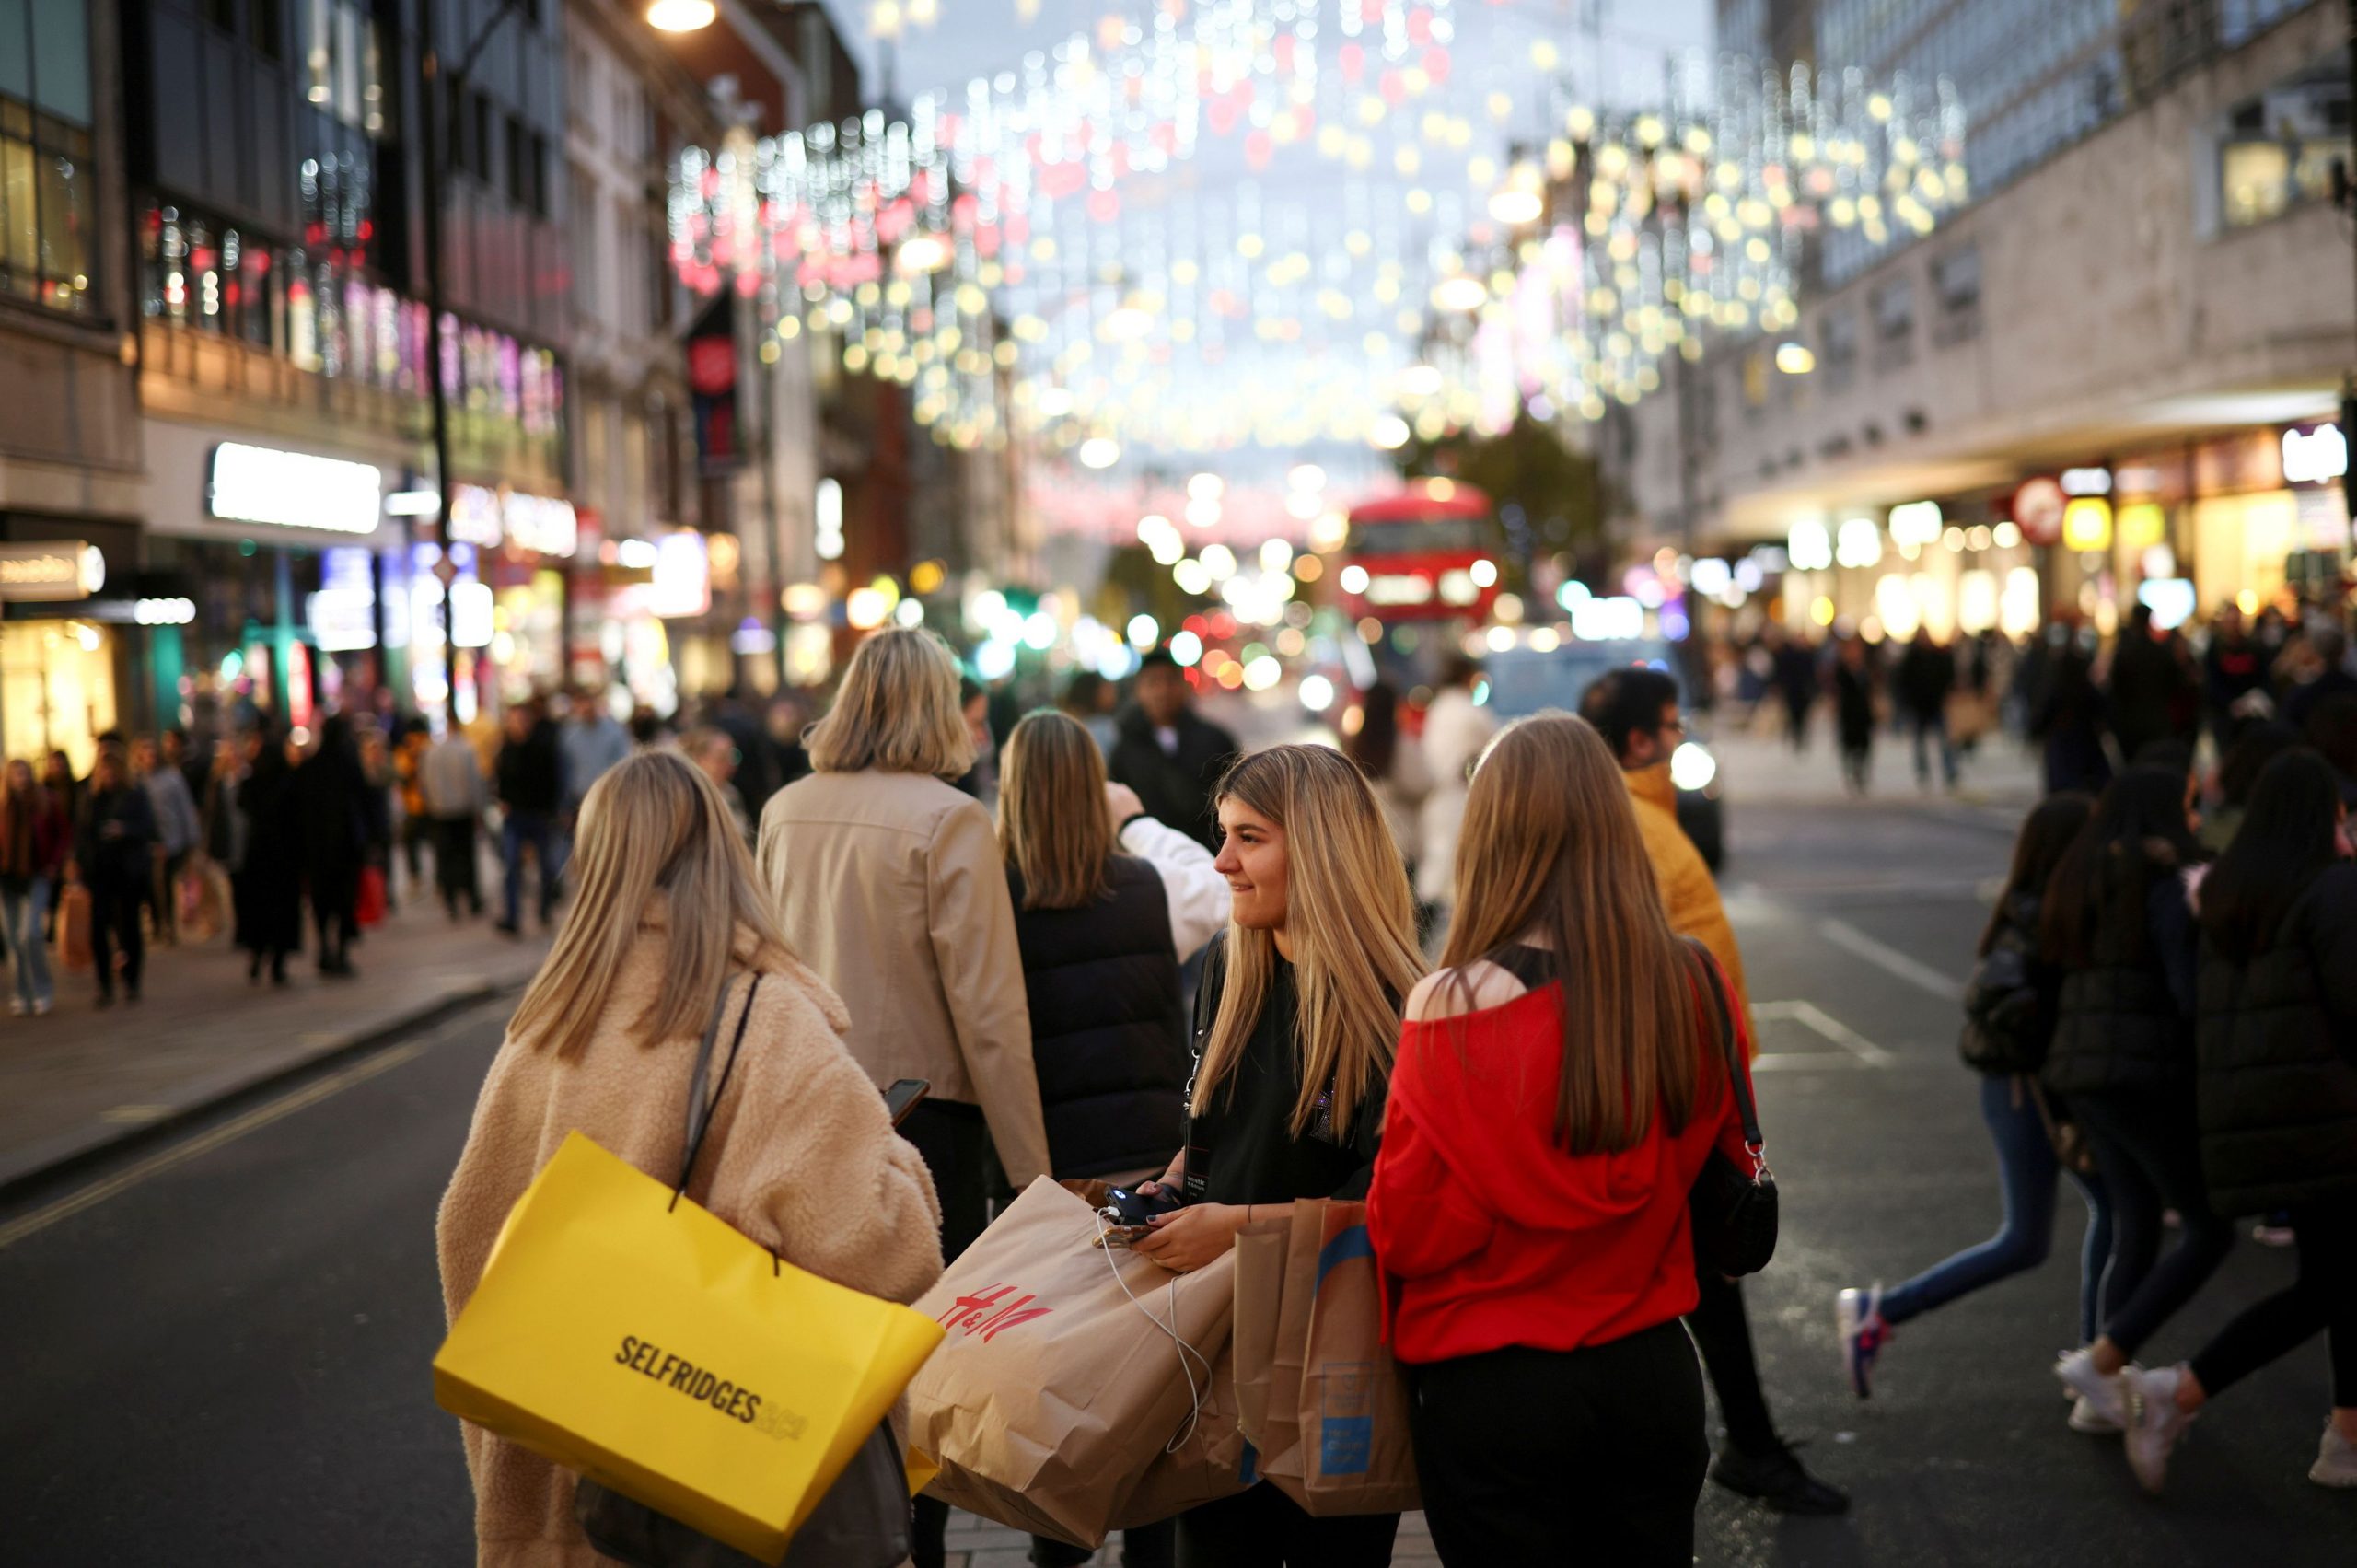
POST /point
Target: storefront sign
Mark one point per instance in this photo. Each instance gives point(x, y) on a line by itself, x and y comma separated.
point(2086, 482)
point(294, 490)
point(2037, 510)
point(64, 569)
point(682, 583)
point(485, 518)
point(342, 621)
point(2087, 524)
point(2317, 454)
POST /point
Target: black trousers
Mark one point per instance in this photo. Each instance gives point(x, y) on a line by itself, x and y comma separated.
point(1262, 1527)
point(114, 927)
point(2148, 1146)
point(1722, 1333)
point(955, 1144)
point(455, 874)
point(2325, 1297)
point(1532, 1456)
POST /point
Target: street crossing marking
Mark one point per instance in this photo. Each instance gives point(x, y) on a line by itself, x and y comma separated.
point(229, 1132)
point(1890, 960)
point(1862, 1051)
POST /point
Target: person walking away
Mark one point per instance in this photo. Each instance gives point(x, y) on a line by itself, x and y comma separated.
point(2009, 1013)
point(784, 723)
point(1853, 712)
point(331, 807)
point(57, 778)
point(1168, 753)
point(1456, 728)
point(592, 741)
point(1559, 1085)
point(193, 760)
point(34, 839)
point(114, 858)
point(1104, 909)
point(267, 889)
point(178, 832)
point(1926, 677)
point(2234, 669)
point(1294, 1026)
point(981, 780)
point(800, 1155)
point(888, 883)
point(2256, 744)
point(1394, 766)
point(2277, 1091)
point(1800, 681)
point(715, 754)
point(380, 807)
point(1636, 712)
point(2117, 922)
point(454, 793)
point(2068, 721)
point(2144, 685)
point(531, 775)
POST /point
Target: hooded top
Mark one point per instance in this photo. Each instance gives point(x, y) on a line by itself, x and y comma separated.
point(1491, 1233)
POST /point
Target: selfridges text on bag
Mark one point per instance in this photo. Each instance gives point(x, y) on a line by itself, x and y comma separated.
point(1063, 1382)
point(623, 1333)
point(1322, 1402)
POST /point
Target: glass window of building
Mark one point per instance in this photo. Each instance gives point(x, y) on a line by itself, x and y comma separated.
point(47, 186)
point(2280, 146)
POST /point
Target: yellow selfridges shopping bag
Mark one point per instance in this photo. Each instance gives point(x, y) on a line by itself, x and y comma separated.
point(647, 1345)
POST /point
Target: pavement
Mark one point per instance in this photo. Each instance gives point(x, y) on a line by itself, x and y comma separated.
point(218, 1340)
point(82, 1080)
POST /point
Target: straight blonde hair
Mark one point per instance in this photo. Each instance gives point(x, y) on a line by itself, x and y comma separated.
point(1550, 853)
point(896, 712)
point(653, 828)
point(1353, 926)
point(1051, 815)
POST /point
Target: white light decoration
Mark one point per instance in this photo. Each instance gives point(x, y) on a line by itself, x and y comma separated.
point(1858, 543)
point(1186, 649)
point(1916, 523)
point(1317, 694)
point(681, 15)
point(827, 513)
point(1808, 548)
point(1143, 633)
point(294, 490)
point(1099, 452)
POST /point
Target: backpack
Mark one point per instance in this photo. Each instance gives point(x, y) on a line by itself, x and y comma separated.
point(2008, 1021)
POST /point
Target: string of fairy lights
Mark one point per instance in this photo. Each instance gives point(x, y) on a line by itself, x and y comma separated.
point(1269, 223)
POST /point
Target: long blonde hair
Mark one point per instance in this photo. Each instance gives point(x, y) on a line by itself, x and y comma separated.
point(1353, 926)
point(654, 829)
point(896, 712)
point(1052, 821)
point(1551, 852)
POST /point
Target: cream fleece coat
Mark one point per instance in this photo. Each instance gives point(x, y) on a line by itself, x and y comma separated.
point(801, 1157)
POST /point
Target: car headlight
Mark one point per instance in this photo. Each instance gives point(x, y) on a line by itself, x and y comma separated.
point(1692, 768)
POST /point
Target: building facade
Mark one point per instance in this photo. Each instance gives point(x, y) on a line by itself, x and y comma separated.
point(2111, 379)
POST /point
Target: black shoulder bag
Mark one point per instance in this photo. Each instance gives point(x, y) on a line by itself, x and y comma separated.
point(1732, 1211)
point(864, 1520)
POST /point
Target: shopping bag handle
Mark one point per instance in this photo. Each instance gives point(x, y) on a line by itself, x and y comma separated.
point(699, 1109)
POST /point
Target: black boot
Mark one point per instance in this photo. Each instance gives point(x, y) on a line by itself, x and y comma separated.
point(1778, 1479)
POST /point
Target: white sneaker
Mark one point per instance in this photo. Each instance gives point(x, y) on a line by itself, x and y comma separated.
point(2336, 1459)
point(2106, 1396)
point(2085, 1418)
point(16, 1005)
point(2157, 1423)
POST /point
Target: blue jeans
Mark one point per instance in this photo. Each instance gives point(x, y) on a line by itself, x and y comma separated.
point(2027, 1171)
point(1926, 726)
point(25, 911)
point(539, 833)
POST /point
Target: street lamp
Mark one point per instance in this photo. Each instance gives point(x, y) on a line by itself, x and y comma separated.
point(669, 16)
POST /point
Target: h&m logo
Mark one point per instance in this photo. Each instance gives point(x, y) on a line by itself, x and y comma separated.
point(982, 1313)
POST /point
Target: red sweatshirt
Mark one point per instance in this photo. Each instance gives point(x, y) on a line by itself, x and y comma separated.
point(1490, 1234)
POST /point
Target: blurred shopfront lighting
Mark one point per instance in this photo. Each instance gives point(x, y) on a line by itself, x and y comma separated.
point(681, 15)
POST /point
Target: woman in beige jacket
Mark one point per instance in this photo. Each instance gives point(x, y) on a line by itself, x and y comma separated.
point(801, 1156)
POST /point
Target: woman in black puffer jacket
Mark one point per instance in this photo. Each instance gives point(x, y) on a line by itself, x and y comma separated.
point(2277, 1094)
point(2118, 924)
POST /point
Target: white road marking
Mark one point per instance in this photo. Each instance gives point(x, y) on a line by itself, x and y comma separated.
point(229, 1132)
point(1890, 960)
point(1863, 1052)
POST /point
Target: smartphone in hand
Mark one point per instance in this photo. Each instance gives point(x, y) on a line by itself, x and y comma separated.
point(904, 1096)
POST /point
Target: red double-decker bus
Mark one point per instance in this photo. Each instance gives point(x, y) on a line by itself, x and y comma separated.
point(1429, 553)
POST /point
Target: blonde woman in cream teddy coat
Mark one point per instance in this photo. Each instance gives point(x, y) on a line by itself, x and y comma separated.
point(801, 1156)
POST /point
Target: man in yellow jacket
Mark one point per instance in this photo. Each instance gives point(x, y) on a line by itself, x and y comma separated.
point(1636, 712)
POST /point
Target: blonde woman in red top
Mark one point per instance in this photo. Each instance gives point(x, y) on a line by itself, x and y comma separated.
point(1558, 1087)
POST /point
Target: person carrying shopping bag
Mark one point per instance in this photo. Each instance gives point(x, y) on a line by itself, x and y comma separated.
point(1298, 1014)
point(799, 1154)
point(1559, 1085)
point(34, 834)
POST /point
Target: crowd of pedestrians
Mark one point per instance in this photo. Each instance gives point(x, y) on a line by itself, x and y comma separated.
point(1032, 957)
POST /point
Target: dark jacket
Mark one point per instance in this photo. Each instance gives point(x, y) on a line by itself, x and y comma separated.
point(34, 839)
point(2276, 1043)
point(2146, 686)
point(2011, 1003)
point(114, 835)
point(331, 809)
point(1926, 676)
point(268, 888)
point(1109, 1035)
point(2126, 1017)
point(1175, 790)
point(1853, 703)
point(530, 772)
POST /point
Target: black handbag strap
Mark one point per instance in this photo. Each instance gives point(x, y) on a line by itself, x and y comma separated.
point(700, 1109)
point(1737, 1081)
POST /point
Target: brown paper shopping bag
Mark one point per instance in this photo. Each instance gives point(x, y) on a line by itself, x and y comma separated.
point(1208, 1461)
point(1062, 1378)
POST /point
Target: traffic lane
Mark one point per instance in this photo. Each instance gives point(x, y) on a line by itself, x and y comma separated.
point(230, 1363)
point(1962, 1456)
